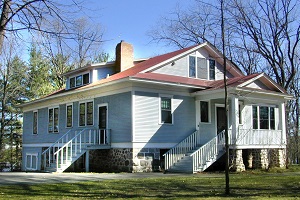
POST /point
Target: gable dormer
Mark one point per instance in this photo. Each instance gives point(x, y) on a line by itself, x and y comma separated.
point(201, 62)
point(97, 71)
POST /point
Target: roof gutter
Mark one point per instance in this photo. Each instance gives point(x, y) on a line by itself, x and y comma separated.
point(72, 92)
point(165, 83)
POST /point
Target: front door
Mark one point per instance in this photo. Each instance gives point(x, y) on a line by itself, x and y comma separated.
point(102, 124)
point(221, 122)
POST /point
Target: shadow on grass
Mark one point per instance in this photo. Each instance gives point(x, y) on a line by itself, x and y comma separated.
point(242, 186)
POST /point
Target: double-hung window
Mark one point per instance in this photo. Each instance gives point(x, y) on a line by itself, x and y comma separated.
point(53, 114)
point(202, 68)
point(204, 111)
point(79, 80)
point(263, 117)
point(86, 110)
point(35, 123)
point(166, 116)
point(31, 161)
point(69, 114)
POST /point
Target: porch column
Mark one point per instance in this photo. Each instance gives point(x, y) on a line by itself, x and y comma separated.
point(282, 125)
point(234, 117)
point(87, 161)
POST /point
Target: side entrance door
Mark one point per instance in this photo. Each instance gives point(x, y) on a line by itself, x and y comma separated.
point(221, 123)
point(102, 123)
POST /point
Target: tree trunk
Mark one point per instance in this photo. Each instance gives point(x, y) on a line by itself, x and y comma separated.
point(4, 21)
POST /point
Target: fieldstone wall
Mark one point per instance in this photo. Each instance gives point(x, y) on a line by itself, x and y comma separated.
point(111, 160)
point(146, 160)
point(236, 160)
point(265, 158)
point(125, 160)
point(277, 158)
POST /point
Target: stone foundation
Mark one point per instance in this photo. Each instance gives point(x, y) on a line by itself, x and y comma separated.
point(256, 159)
point(146, 160)
point(111, 160)
point(125, 160)
point(236, 160)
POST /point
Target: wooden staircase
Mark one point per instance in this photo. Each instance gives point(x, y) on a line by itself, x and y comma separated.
point(189, 157)
point(71, 146)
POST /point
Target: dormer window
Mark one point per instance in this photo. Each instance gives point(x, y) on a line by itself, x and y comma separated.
point(79, 80)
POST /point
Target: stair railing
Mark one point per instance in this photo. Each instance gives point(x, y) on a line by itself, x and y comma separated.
point(48, 154)
point(208, 151)
point(77, 145)
point(176, 153)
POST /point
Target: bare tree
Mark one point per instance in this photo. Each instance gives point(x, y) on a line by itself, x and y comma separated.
point(185, 28)
point(17, 15)
point(88, 40)
point(273, 27)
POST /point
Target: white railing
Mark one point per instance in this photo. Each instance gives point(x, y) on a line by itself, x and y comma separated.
point(177, 152)
point(258, 137)
point(48, 154)
point(72, 144)
point(209, 151)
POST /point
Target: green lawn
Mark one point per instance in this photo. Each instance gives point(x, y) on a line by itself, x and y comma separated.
point(250, 185)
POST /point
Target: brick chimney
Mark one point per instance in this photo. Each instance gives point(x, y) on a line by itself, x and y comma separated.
point(124, 56)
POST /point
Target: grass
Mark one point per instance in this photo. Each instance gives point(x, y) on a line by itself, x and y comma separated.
point(280, 184)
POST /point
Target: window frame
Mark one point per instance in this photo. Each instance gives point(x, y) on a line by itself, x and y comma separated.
point(209, 69)
point(258, 119)
point(86, 113)
point(53, 119)
point(208, 110)
point(170, 110)
point(35, 122)
point(195, 66)
point(72, 115)
point(31, 155)
point(82, 79)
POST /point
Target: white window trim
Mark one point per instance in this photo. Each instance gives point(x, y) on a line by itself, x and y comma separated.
point(37, 122)
point(209, 112)
point(53, 119)
point(103, 105)
point(208, 69)
point(159, 109)
point(258, 116)
point(85, 102)
point(69, 104)
point(80, 74)
point(195, 56)
point(241, 115)
point(31, 155)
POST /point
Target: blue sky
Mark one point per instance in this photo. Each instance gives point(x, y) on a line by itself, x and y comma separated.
point(129, 20)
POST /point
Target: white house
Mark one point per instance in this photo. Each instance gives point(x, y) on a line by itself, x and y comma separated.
point(166, 112)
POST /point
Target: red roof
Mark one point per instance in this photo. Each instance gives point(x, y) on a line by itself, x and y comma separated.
point(136, 72)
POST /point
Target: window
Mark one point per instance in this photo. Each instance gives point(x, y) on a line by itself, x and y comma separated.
point(240, 113)
point(204, 111)
point(53, 120)
point(212, 64)
point(72, 82)
point(69, 115)
point(86, 113)
point(201, 68)
point(192, 66)
point(79, 80)
point(35, 123)
point(166, 110)
point(263, 117)
point(31, 161)
point(254, 117)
